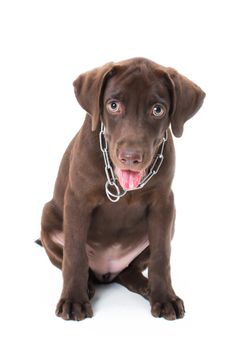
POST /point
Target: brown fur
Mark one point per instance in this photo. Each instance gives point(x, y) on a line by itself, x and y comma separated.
point(81, 213)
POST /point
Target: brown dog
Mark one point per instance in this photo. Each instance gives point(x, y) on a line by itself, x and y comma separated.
point(112, 213)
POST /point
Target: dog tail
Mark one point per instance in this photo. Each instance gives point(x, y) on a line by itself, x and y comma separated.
point(38, 241)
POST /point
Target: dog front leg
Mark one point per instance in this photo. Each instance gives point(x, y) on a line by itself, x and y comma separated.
point(74, 302)
point(164, 302)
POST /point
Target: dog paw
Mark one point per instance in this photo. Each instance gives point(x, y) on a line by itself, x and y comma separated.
point(91, 290)
point(72, 310)
point(170, 309)
point(143, 290)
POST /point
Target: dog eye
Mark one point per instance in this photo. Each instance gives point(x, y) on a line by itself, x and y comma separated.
point(158, 110)
point(114, 107)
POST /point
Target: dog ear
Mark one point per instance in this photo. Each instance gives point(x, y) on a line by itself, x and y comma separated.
point(187, 99)
point(88, 88)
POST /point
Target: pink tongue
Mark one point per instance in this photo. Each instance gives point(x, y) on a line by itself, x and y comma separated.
point(128, 179)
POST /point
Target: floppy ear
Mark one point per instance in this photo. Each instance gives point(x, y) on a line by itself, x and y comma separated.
point(88, 88)
point(187, 99)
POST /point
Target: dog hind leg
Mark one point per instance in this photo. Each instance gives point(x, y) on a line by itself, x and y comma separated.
point(51, 230)
point(132, 277)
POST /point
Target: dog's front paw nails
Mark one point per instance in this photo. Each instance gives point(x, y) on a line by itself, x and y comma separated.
point(71, 310)
point(170, 309)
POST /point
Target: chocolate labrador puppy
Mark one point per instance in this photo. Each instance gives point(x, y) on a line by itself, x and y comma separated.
point(112, 214)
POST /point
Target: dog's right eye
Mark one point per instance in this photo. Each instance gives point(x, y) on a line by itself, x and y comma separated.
point(114, 107)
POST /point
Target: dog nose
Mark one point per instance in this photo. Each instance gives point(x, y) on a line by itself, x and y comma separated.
point(130, 158)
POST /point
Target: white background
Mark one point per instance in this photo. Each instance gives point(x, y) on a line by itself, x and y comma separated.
point(44, 46)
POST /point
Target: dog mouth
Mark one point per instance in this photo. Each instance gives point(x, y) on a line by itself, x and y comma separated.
point(129, 179)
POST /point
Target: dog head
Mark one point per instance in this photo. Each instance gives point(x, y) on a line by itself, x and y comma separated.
point(137, 100)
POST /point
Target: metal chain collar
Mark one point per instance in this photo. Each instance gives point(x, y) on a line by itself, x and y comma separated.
point(111, 178)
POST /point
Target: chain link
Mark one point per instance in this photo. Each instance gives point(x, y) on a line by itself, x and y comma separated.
point(111, 179)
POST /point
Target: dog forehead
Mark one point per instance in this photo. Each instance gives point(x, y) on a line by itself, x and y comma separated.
point(135, 80)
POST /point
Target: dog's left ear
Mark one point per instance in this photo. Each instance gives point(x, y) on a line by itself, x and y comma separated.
point(187, 99)
point(88, 88)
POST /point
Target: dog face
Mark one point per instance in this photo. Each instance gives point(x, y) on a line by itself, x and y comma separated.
point(137, 100)
point(136, 109)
